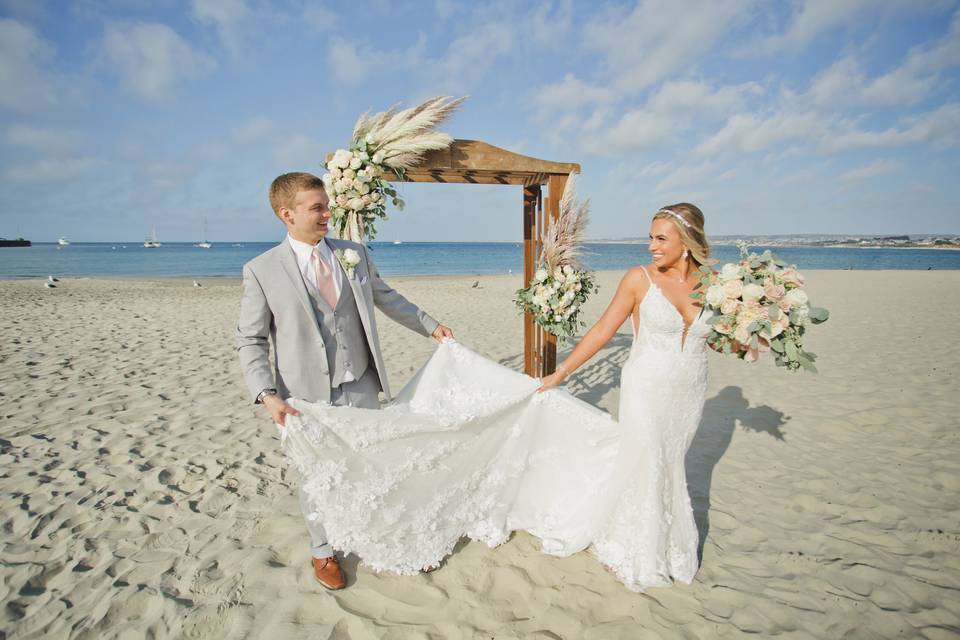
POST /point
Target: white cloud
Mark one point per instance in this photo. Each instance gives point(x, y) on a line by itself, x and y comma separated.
point(940, 127)
point(26, 86)
point(570, 94)
point(747, 133)
point(844, 83)
point(253, 131)
point(151, 58)
point(319, 17)
point(228, 17)
point(687, 177)
point(168, 175)
point(659, 37)
point(872, 170)
point(51, 170)
point(693, 97)
point(551, 25)
point(815, 17)
point(42, 140)
point(298, 152)
point(471, 55)
point(676, 107)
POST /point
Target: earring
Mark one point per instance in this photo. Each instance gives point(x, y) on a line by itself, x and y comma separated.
point(685, 254)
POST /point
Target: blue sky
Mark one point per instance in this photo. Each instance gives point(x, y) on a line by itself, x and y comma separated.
point(811, 116)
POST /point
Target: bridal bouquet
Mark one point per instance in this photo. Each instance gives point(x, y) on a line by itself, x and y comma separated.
point(388, 142)
point(759, 305)
point(560, 286)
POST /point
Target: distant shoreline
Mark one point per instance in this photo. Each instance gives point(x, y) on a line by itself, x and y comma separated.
point(797, 245)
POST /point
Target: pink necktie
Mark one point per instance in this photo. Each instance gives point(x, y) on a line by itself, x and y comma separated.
point(325, 284)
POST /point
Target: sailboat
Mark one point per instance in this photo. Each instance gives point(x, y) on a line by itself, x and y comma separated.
point(62, 242)
point(152, 242)
point(203, 244)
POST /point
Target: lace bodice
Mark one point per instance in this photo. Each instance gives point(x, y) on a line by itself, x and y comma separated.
point(662, 327)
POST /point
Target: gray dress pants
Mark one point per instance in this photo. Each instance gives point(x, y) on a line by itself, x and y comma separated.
point(361, 393)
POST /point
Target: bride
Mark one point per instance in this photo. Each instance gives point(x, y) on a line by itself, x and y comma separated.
point(470, 448)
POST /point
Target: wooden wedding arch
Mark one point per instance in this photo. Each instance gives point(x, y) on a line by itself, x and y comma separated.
point(475, 162)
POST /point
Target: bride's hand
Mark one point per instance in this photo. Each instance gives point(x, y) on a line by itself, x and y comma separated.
point(552, 380)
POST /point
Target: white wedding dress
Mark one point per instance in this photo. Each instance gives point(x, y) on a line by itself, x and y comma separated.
point(468, 448)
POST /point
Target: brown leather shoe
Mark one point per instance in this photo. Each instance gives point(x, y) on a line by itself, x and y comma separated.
point(327, 572)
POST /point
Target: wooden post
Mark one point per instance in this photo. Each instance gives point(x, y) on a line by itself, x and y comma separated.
point(548, 349)
point(531, 196)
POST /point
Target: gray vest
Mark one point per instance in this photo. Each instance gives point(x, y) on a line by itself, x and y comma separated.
point(342, 333)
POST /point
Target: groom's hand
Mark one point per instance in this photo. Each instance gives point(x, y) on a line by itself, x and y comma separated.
point(442, 332)
point(278, 409)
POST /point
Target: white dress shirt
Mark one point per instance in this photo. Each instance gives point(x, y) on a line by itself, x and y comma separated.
point(303, 251)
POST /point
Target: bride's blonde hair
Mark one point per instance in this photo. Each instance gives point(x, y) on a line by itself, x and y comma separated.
point(689, 222)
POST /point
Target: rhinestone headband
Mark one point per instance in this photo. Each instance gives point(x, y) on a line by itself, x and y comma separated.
point(677, 216)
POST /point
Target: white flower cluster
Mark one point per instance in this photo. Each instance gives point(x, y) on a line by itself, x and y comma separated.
point(555, 299)
point(354, 182)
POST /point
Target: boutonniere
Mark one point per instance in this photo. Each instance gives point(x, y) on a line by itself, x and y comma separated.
point(349, 259)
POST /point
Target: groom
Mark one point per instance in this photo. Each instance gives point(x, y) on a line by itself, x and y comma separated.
point(313, 297)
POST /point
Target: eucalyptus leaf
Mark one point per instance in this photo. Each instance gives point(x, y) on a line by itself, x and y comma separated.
point(818, 315)
point(790, 349)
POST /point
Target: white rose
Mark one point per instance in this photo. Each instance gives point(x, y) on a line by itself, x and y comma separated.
point(733, 288)
point(364, 188)
point(336, 172)
point(567, 270)
point(356, 163)
point(327, 181)
point(352, 257)
point(342, 200)
point(349, 174)
point(752, 292)
point(364, 155)
point(715, 295)
point(540, 275)
point(341, 185)
point(356, 204)
point(341, 159)
point(797, 297)
point(730, 271)
point(366, 200)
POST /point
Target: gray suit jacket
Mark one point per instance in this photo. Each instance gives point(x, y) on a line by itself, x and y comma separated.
point(276, 308)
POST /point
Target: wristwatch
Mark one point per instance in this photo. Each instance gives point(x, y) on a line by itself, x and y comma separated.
point(263, 394)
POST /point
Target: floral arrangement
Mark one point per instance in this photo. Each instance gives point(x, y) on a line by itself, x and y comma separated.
point(560, 286)
point(759, 305)
point(388, 142)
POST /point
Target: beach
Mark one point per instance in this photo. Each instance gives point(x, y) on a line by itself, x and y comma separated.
point(144, 495)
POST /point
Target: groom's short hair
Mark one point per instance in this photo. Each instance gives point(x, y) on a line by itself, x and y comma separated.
point(284, 189)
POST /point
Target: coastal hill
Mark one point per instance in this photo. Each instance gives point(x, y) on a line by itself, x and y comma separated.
point(913, 241)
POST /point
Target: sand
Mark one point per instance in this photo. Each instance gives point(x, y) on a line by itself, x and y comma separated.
point(143, 494)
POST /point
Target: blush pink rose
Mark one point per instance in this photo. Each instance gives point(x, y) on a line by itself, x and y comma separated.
point(774, 291)
point(792, 277)
point(729, 306)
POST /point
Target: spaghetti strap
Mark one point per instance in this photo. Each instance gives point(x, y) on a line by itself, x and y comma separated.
point(635, 314)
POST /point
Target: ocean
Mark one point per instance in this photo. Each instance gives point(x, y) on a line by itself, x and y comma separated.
point(105, 260)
